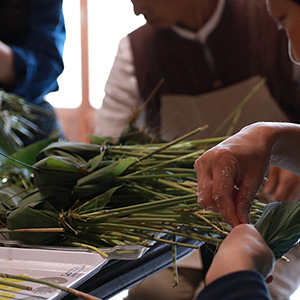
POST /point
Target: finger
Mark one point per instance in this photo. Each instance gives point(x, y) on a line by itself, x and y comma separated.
point(222, 193)
point(283, 192)
point(245, 196)
point(288, 187)
point(205, 199)
point(204, 186)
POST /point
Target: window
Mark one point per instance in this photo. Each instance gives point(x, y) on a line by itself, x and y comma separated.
point(108, 23)
point(94, 29)
point(69, 94)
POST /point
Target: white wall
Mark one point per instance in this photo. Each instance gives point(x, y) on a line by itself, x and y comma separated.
point(109, 21)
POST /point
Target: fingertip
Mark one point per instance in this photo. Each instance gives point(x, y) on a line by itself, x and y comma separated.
point(244, 218)
point(243, 209)
point(233, 222)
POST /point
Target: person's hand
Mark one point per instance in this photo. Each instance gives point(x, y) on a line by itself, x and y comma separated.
point(7, 65)
point(282, 185)
point(243, 249)
point(230, 174)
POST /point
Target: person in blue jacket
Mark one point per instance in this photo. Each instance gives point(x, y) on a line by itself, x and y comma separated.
point(241, 267)
point(32, 37)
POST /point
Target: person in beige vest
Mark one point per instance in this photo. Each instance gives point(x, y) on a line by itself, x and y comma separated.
point(199, 47)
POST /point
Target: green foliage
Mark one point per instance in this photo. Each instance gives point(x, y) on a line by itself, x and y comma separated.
point(35, 215)
point(280, 226)
point(17, 119)
point(123, 194)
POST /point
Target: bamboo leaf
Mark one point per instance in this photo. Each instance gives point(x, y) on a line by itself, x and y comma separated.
point(97, 203)
point(59, 164)
point(86, 151)
point(279, 225)
point(29, 154)
point(59, 197)
point(102, 179)
point(37, 215)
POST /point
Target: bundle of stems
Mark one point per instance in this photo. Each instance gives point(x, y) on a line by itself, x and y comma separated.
point(111, 195)
point(96, 196)
point(104, 195)
point(121, 192)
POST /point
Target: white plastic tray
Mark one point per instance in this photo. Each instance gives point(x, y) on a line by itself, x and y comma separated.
point(67, 268)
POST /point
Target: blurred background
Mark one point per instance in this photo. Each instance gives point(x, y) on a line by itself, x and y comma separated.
point(94, 29)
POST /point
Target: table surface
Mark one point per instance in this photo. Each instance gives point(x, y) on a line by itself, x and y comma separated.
point(118, 275)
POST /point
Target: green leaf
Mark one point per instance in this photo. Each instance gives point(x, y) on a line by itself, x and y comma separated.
point(10, 198)
point(86, 151)
point(37, 215)
point(58, 163)
point(279, 225)
point(96, 163)
point(7, 145)
point(29, 154)
point(102, 179)
point(56, 170)
point(58, 196)
point(98, 202)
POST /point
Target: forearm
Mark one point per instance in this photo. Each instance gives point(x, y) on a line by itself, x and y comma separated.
point(285, 138)
point(279, 142)
point(7, 65)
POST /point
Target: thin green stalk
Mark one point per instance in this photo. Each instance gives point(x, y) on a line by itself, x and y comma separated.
point(123, 211)
point(210, 223)
point(122, 226)
point(24, 230)
point(152, 176)
point(103, 254)
point(167, 145)
point(193, 154)
point(54, 285)
point(177, 186)
point(151, 192)
point(15, 285)
point(240, 106)
point(174, 259)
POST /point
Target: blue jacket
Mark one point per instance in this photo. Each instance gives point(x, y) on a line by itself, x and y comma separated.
point(242, 285)
point(38, 59)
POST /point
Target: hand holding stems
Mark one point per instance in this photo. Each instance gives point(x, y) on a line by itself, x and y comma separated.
point(231, 173)
point(243, 249)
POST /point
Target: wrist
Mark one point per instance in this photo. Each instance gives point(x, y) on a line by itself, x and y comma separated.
point(225, 264)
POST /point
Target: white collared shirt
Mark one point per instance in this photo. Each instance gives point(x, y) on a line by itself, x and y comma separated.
point(203, 33)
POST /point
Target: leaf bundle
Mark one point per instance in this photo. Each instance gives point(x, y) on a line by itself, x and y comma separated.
point(106, 195)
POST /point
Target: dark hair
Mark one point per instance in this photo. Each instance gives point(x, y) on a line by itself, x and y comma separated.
point(14, 20)
point(297, 1)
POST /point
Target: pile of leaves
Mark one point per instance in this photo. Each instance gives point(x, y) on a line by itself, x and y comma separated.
point(93, 196)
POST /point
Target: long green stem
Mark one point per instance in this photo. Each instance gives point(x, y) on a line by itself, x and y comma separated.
point(240, 106)
point(54, 285)
point(159, 165)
